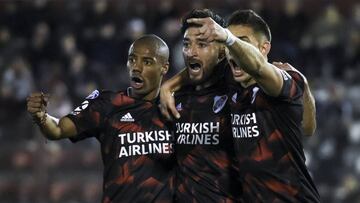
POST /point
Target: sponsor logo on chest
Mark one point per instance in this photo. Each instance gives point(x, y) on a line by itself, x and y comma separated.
point(127, 118)
point(244, 125)
point(143, 143)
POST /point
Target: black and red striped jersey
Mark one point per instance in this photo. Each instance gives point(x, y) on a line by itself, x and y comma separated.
point(136, 146)
point(267, 136)
point(204, 147)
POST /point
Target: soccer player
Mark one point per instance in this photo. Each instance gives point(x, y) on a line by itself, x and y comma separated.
point(136, 145)
point(266, 110)
point(204, 148)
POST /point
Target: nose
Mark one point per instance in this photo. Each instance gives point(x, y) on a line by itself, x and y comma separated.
point(191, 51)
point(135, 67)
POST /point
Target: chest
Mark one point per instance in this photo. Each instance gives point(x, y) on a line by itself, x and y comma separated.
point(136, 132)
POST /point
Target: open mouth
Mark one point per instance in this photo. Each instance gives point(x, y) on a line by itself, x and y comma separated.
point(237, 71)
point(137, 82)
point(234, 65)
point(194, 66)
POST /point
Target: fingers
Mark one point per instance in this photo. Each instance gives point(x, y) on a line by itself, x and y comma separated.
point(37, 102)
point(168, 109)
point(198, 21)
point(174, 111)
point(277, 63)
point(165, 112)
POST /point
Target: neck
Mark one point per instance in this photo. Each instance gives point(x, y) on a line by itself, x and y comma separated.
point(209, 82)
point(148, 97)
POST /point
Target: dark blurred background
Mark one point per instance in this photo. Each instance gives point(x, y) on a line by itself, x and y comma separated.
point(69, 48)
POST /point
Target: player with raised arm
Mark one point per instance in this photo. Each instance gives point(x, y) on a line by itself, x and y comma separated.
point(267, 111)
point(136, 144)
point(204, 148)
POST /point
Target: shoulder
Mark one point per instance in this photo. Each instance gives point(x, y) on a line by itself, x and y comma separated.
point(295, 76)
point(183, 91)
point(97, 95)
point(120, 98)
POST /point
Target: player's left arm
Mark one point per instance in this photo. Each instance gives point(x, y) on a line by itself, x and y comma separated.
point(309, 112)
point(245, 54)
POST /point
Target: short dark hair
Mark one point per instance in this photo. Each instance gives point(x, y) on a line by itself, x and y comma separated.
point(252, 19)
point(162, 49)
point(200, 13)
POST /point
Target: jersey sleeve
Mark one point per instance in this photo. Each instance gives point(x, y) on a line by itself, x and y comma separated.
point(89, 116)
point(293, 85)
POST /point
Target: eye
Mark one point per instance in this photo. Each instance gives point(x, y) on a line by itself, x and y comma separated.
point(202, 44)
point(148, 62)
point(131, 60)
point(186, 44)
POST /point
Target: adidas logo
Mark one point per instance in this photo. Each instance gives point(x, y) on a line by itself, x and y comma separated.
point(127, 118)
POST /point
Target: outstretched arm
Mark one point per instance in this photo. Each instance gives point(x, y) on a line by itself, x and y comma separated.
point(245, 55)
point(52, 128)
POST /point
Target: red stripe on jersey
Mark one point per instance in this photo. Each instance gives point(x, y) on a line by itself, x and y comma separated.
point(262, 152)
point(124, 175)
point(275, 136)
point(129, 127)
point(122, 100)
point(158, 122)
point(281, 188)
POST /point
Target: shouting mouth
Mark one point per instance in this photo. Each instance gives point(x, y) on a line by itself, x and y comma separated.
point(237, 71)
point(136, 82)
point(194, 67)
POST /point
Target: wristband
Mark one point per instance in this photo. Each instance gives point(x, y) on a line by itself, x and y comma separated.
point(40, 121)
point(230, 39)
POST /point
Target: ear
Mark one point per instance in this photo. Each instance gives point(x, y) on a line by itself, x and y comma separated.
point(165, 68)
point(265, 48)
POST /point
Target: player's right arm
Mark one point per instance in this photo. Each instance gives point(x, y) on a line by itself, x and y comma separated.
point(167, 101)
point(51, 127)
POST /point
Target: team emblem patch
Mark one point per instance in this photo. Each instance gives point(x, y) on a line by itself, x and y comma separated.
point(83, 106)
point(219, 103)
point(234, 97)
point(93, 95)
point(179, 107)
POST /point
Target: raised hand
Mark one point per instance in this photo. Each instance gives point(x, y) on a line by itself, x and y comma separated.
point(36, 105)
point(209, 30)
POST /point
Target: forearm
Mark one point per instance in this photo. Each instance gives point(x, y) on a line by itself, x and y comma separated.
point(248, 57)
point(55, 129)
point(176, 82)
point(309, 114)
point(252, 61)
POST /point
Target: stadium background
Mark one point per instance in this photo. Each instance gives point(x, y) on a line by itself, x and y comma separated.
point(69, 48)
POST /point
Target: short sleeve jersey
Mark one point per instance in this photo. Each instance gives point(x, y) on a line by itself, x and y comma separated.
point(204, 148)
point(267, 136)
point(136, 146)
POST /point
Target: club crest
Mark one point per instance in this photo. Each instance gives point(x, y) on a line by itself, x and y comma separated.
point(219, 103)
point(93, 95)
point(179, 107)
point(234, 97)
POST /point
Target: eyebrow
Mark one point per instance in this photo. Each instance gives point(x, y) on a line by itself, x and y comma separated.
point(201, 40)
point(149, 58)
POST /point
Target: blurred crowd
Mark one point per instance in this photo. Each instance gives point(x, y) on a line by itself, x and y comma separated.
point(69, 48)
